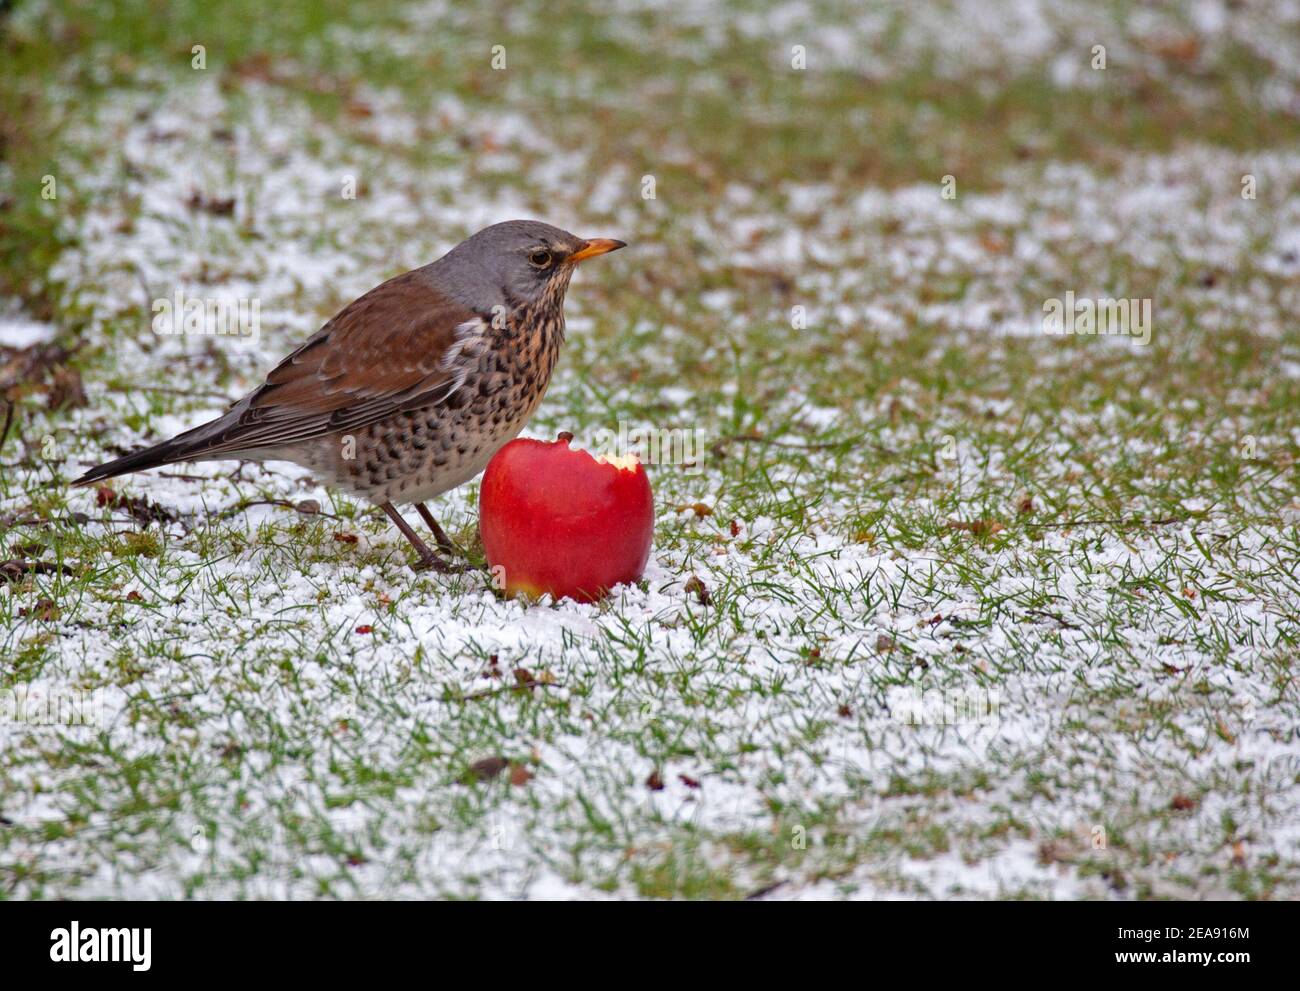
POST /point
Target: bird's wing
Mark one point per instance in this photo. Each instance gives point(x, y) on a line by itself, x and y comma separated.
point(401, 346)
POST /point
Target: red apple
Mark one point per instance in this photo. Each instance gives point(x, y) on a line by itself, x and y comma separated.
point(560, 521)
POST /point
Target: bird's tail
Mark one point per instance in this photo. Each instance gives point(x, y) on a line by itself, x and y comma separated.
point(192, 445)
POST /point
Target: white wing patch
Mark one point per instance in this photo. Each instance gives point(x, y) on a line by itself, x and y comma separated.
point(463, 356)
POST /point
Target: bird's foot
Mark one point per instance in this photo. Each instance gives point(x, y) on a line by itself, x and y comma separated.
point(432, 562)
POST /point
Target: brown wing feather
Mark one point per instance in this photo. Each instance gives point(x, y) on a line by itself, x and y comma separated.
point(385, 352)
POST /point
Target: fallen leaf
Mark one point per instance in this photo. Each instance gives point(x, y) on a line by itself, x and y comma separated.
point(1178, 49)
point(993, 244)
point(488, 768)
point(217, 206)
point(520, 775)
point(45, 610)
point(65, 389)
point(655, 782)
point(699, 589)
point(144, 511)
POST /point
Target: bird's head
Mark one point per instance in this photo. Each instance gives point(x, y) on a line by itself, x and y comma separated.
point(519, 262)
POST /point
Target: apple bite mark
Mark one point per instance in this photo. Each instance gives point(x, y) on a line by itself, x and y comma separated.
point(623, 462)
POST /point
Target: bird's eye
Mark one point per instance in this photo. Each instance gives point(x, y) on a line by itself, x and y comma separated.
point(539, 258)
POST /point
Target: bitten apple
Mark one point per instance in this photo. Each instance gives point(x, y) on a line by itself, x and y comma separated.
point(558, 520)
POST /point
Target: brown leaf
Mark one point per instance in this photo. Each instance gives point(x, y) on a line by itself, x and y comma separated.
point(345, 538)
point(885, 643)
point(1051, 852)
point(520, 775)
point(45, 610)
point(216, 205)
point(1177, 49)
point(488, 768)
point(688, 781)
point(65, 389)
point(694, 585)
point(143, 510)
point(38, 367)
point(1183, 803)
point(655, 782)
point(137, 507)
point(308, 507)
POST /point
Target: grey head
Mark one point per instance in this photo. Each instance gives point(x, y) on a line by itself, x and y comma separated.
point(516, 263)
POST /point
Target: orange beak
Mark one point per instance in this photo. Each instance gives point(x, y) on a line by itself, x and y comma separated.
point(596, 246)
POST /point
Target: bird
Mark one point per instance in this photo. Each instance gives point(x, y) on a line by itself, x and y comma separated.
point(410, 389)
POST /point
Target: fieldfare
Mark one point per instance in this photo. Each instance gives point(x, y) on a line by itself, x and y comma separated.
point(409, 390)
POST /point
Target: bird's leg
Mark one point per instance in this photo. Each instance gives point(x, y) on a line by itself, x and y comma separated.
point(444, 542)
point(428, 559)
